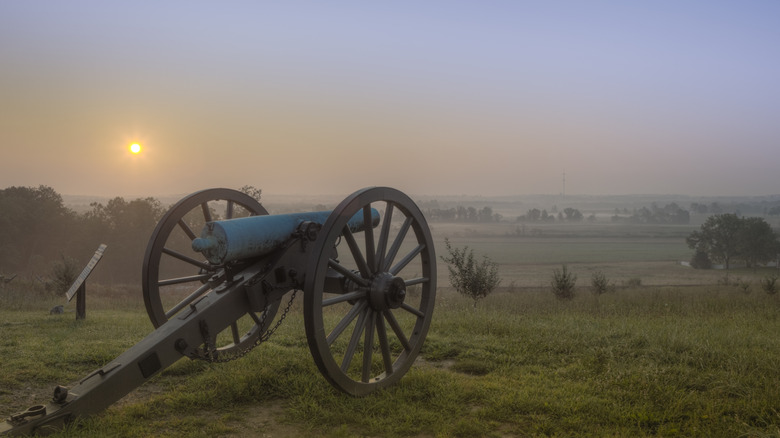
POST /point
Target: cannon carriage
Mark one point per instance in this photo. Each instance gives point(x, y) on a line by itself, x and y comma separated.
point(216, 287)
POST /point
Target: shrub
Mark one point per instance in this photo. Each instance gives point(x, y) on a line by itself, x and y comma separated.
point(769, 284)
point(470, 278)
point(563, 283)
point(64, 272)
point(599, 283)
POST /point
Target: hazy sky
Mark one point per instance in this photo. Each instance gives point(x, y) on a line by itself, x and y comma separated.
point(430, 97)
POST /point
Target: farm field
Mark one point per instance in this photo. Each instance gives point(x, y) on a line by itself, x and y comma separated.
point(683, 354)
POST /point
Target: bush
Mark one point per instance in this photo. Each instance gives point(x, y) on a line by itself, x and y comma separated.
point(563, 283)
point(599, 283)
point(64, 273)
point(769, 284)
point(469, 278)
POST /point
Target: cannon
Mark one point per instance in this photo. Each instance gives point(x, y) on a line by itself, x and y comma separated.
point(367, 270)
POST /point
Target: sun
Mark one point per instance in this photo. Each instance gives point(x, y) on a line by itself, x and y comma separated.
point(135, 148)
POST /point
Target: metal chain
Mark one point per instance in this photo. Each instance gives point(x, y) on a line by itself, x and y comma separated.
point(210, 350)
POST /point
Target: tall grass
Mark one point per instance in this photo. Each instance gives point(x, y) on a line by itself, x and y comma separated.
point(666, 361)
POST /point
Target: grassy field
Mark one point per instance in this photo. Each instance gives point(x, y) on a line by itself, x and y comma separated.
point(681, 355)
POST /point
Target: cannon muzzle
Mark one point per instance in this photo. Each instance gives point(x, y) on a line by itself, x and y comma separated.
point(254, 236)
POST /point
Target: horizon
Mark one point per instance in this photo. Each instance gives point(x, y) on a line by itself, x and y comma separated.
point(497, 99)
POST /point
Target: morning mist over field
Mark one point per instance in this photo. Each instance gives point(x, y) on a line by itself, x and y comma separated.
point(475, 98)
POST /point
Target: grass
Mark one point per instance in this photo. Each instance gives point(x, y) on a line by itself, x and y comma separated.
point(679, 353)
point(667, 361)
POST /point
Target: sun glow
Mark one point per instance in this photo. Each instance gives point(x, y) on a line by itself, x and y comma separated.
point(135, 148)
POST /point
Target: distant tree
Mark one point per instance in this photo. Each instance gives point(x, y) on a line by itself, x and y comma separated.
point(699, 208)
point(534, 215)
point(485, 215)
point(34, 227)
point(255, 192)
point(125, 226)
point(727, 237)
point(757, 242)
point(718, 238)
point(572, 214)
point(469, 277)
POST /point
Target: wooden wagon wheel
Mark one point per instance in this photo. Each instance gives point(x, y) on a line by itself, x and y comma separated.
point(366, 332)
point(174, 275)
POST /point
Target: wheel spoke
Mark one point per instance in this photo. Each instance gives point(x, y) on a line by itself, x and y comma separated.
point(399, 239)
point(418, 280)
point(368, 230)
point(381, 332)
point(399, 333)
point(348, 273)
point(344, 323)
point(353, 341)
point(408, 258)
point(368, 347)
point(206, 211)
point(412, 310)
point(358, 294)
point(181, 280)
point(187, 230)
point(197, 263)
point(384, 235)
point(229, 212)
point(185, 302)
point(356, 254)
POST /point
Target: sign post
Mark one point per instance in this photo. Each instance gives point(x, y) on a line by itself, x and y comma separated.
point(79, 287)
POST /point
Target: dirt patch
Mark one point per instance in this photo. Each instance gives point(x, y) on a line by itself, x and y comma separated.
point(263, 421)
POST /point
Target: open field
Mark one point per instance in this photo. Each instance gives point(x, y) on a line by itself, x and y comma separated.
point(681, 355)
point(698, 361)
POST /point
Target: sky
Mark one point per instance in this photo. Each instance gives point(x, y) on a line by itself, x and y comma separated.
point(430, 97)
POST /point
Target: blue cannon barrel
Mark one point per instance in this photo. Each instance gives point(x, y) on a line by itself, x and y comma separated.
point(254, 236)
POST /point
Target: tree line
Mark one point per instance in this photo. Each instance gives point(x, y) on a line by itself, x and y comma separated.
point(38, 231)
point(461, 214)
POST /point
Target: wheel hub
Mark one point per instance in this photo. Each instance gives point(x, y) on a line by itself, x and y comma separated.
point(387, 292)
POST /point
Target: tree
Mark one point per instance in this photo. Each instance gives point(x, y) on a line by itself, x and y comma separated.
point(468, 277)
point(726, 237)
point(125, 227)
point(718, 238)
point(254, 192)
point(34, 225)
point(757, 242)
point(563, 283)
point(572, 214)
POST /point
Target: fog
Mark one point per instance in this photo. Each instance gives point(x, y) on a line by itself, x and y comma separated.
point(439, 99)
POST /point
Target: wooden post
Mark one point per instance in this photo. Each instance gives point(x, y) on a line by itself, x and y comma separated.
point(81, 301)
point(79, 288)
